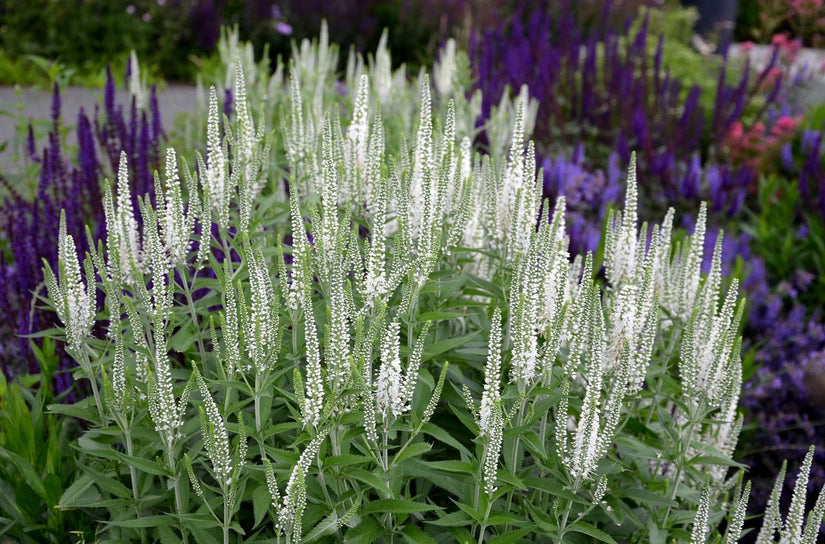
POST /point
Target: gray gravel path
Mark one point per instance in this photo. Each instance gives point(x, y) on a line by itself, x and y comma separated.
point(35, 105)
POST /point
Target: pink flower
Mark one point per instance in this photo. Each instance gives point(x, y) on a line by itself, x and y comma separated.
point(747, 46)
point(779, 39)
point(735, 132)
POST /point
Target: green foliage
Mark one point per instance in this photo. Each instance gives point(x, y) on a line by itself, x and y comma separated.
point(394, 349)
point(37, 463)
point(790, 240)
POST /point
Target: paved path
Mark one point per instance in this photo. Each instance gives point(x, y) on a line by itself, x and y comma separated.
point(36, 106)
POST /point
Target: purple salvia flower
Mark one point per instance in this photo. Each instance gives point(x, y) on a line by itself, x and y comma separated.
point(109, 95)
point(144, 181)
point(690, 182)
point(87, 159)
point(31, 147)
point(157, 125)
point(227, 102)
point(56, 108)
point(786, 158)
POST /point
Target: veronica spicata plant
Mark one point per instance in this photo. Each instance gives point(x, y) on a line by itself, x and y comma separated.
point(398, 345)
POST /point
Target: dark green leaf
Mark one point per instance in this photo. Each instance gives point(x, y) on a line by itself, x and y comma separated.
point(396, 506)
point(589, 530)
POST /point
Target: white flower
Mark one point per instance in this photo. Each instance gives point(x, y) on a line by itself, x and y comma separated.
point(165, 412)
point(491, 396)
point(389, 387)
point(261, 322)
point(445, 69)
point(74, 301)
point(493, 440)
point(215, 175)
point(215, 438)
point(700, 522)
point(175, 221)
point(621, 243)
point(131, 253)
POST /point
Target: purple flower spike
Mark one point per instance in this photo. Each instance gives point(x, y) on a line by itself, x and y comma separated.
point(154, 109)
point(109, 94)
point(227, 102)
point(31, 147)
point(56, 107)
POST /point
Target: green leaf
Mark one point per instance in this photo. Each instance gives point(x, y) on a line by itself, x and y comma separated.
point(452, 466)
point(552, 488)
point(168, 536)
point(28, 502)
point(414, 535)
point(327, 526)
point(142, 464)
point(446, 345)
point(453, 519)
point(30, 476)
point(508, 478)
point(345, 460)
point(107, 483)
point(84, 410)
point(589, 530)
point(77, 494)
point(419, 448)
point(439, 316)
point(509, 537)
point(437, 432)
point(148, 521)
point(645, 497)
point(261, 500)
point(54, 489)
point(366, 532)
point(396, 506)
point(370, 478)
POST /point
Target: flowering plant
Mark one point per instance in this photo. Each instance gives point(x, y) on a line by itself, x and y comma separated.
point(393, 342)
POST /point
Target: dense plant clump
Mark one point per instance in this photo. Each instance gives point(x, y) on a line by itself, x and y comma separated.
point(713, 131)
point(357, 327)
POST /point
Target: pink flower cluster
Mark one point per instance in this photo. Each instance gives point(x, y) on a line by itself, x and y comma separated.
point(757, 146)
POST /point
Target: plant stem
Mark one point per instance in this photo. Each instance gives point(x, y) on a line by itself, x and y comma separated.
point(682, 459)
point(187, 291)
point(225, 522)
point(483, 526)
point(563, 524)
point(86, 365)
point(176, 480)
point(127, 431)
point(515, 457)
point(132, 472)
point(257, 397)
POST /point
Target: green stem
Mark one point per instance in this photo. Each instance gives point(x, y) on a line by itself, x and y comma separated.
point(86, 365)
point(682, 459)
point(187, 291)
point(257, 404)
point(176, 480)
point(483, 526)
point(132, 471)
point(515, 457)
point(127, 431)
point(225, 522)
point(563, 524)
